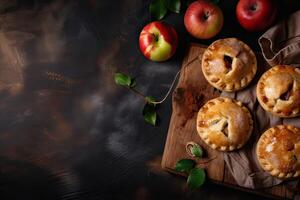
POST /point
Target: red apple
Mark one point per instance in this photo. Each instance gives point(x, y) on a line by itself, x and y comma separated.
point(203, 19)
point(158, 41)
point(256, 15)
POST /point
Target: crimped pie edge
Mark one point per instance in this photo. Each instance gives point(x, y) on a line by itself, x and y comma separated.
point(237, 86)
point(265, 164)
point(213, 102)
point(260, 95)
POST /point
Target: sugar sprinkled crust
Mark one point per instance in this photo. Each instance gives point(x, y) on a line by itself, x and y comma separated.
point(229, 64)
point(278, 151)
point(278, 91)
point(224, 124)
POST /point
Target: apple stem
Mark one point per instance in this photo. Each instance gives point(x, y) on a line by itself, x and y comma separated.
point(253, 7)
point(205, 16)
point(155, 37)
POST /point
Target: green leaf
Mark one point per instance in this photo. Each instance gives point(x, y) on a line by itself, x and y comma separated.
point(184, 165)
point(196, 178)
point(215, 1)
point(132, 83)
point(123, 80)
point(173, 5)
point(196, 151)
point(158, 9)
point(150, 99)
point(150, 114)
point(151, 117)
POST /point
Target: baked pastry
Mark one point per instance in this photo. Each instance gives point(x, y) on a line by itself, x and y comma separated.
point(224, 124)
point(278, 151)
point(229, 64)
point(278, 91)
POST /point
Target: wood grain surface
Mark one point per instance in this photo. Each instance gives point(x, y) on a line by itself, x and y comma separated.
point(190, 94)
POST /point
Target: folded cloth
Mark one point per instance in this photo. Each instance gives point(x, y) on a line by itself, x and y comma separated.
point(279, 45)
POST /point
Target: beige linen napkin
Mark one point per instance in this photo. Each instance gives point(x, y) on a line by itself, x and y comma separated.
point(279, 45)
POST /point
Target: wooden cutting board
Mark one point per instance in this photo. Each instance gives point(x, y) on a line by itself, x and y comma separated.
point(190, 94)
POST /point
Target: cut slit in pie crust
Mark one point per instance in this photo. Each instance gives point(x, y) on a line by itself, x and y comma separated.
point(278, 151)
point(224, 124)
point(229, 64)
point(278, 91)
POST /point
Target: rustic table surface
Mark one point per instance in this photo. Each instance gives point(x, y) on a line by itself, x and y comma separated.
point(66, 130)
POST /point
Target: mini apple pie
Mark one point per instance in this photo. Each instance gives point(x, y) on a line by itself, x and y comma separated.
point(229, 64)
point(278, 151)
point(278, 91)
point(224, 124)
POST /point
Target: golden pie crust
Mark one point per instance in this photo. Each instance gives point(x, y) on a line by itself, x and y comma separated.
point(278, 151)
point(229, 64)
point(278, 91)
point(224, 124)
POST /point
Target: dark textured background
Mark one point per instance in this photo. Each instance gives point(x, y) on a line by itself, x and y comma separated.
point(66, 130)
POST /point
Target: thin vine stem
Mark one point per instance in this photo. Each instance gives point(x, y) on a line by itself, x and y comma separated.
point(138, 93)
point(202, 162)
point(169, 91)
point(163, 99)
